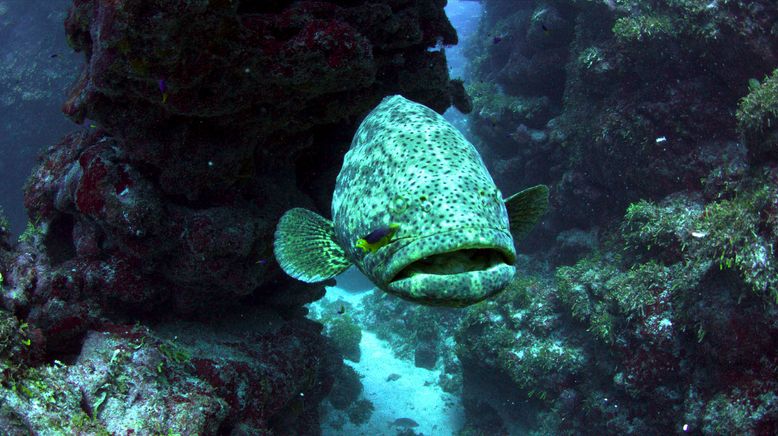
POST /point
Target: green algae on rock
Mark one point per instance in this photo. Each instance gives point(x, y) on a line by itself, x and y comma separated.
point(757, 117)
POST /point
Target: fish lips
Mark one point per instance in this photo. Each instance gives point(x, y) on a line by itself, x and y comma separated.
point(456, 289)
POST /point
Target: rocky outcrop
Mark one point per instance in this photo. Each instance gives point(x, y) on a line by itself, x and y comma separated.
point(610, 102)
point(254, 375)
point(203, 121)
point(661, 157)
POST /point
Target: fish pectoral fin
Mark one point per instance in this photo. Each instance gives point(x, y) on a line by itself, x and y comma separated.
point(525, 209)
point(305, 247)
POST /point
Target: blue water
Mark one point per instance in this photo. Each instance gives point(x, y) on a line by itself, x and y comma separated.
point(36, 71)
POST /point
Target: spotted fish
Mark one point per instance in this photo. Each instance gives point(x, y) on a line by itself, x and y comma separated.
point(416, 211)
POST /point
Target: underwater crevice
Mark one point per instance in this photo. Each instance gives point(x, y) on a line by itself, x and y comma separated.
point(59, 240)
point(247, 7)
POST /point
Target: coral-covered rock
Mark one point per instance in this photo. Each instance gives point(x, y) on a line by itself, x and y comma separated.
point(515, 349)
point(638, 118)
point(194, 89)
point(204, 122)
point(207, 121)
point(409, 327)
point(757, 117)
point(426, 355)
point(346, 388)
point(259, 375)
point(667, 324)
point(179, 189)
point(89, 202)
point(672, 321)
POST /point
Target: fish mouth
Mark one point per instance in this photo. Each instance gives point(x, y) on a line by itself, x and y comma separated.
point(453, 269)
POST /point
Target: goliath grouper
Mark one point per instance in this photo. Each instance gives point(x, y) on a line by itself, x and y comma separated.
point(416, 211)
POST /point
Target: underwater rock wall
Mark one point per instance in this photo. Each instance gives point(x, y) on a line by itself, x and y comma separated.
point(206, 120)
point(254, 374)
point(668, 326)
point(203, 121)
point(209, 119)
point(661, 157)
point(610, 102)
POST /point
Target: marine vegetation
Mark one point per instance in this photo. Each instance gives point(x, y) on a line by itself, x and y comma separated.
point(345, 335)
point(736, 231)
point(675, 312)
point(757, 116)
point(667, 193)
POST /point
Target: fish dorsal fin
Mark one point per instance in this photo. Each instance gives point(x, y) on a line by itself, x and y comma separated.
point(305, 247)
point(525, 209)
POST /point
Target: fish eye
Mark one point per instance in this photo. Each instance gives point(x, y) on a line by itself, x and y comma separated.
point(398, 204)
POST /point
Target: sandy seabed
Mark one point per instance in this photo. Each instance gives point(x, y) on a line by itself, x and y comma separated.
point(436, 412)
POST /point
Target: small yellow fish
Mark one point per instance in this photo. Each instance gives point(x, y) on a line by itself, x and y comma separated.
point(377, 238)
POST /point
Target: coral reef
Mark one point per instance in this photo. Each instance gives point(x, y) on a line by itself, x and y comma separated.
point(516, 355)
point(346, 388)
point(670, 323)
point(261, 374)
point(659, 316)
point(345, 335)
point(405, 324)
point(361, 411)
point(143, 298)
point(418, 333)
point(625, 110)
point(202, 123)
